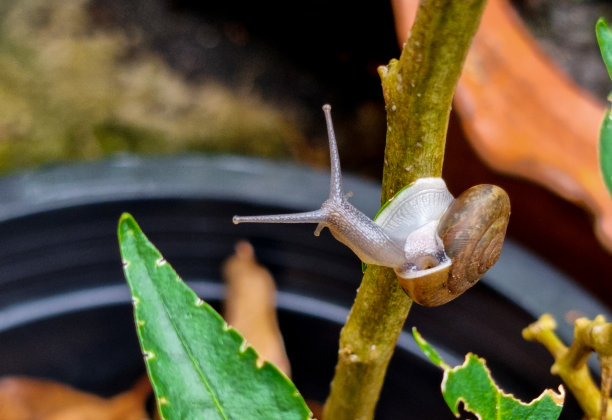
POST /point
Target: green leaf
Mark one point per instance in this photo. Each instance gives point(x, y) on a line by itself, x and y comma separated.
point(605, 150)
point(199, 367)
point(604, 39)
point(472, 384)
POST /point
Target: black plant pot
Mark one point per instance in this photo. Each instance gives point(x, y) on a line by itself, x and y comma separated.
point(65, 311)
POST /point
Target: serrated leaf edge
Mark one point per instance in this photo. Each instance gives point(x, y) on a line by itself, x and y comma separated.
point(558, 398)
point(129, 228)
point(133, 229)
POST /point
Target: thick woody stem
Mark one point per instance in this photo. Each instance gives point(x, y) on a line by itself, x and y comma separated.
point(419, 87)
point(418, 91)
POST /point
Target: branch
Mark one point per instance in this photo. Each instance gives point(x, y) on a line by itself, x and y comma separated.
point(571, 362)
point(418, 91)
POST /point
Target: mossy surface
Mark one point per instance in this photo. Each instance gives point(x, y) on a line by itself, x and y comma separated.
point(70, 90)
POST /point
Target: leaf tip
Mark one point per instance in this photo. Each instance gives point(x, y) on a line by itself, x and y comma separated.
point(125, 216)
point(417, 336)
point(127, 224)
point(428, 350)
point(604, 39)
point(601, 24)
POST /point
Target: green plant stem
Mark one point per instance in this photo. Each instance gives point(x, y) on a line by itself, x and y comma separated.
point(571, 362)
point(418, 90)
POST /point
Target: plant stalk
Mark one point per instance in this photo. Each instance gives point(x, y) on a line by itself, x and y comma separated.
point(418, 90)
point(571, 362)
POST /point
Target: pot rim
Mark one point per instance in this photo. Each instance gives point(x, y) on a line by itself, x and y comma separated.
point(129, 177)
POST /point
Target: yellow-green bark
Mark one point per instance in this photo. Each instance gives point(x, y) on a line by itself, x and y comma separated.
point(418, 90)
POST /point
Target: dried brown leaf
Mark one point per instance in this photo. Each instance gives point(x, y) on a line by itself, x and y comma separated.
point(250, 305)
point(27, 399)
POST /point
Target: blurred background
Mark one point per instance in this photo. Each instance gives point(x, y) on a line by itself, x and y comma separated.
point(86, 79)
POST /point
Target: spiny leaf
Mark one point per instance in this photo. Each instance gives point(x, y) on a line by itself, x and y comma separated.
point(472, 384)
point(604, 38)
point(199, 367)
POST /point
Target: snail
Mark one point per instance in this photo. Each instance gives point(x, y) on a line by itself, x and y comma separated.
point(437, 245)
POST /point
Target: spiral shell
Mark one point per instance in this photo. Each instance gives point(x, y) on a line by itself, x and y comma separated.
point(472, 230)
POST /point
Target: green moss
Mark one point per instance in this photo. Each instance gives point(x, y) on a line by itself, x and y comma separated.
point(67, 91)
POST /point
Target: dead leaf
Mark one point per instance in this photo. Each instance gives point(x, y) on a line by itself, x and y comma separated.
point(523, 115)
point(37, 399)
point(250, 305)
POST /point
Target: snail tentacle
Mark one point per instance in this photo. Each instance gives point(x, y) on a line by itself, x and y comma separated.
point(335, 182)
point(316, 216)
point(437, 245)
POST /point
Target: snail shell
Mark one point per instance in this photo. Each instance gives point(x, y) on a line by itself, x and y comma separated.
point(437, 245)
point(472, 231)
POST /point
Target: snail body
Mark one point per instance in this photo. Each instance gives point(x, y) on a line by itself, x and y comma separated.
point(438, 246)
